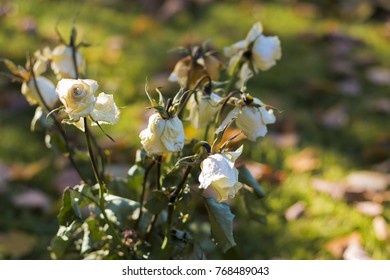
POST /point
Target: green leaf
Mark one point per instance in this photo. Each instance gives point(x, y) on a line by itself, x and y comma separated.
point(135, 177)
point(244, 176)
point(72, 201)
point(221, 221)
point(62, 240)
point(158, 202)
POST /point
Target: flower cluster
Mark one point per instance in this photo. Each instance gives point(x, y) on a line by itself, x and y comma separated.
point(195, 73)
point(213, 96)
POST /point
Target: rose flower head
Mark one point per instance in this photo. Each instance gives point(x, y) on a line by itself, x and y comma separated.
point(165, 131)
point(251, 116)
point(256, 53)
point(218, 171)
point(78, 97)
point(194, 66)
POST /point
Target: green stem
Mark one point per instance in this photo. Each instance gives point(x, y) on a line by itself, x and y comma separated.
point(149, 230)
point(233, 77)
point(142, 199)
point(102, 186)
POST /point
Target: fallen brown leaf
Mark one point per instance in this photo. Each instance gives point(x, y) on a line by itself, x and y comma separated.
point(295, 211)
point(284, 140)
point(304, 161)
point(335, 189)
point(337, 246)
point(367, 181)
point(381, 228)
point(369, 208)
point(258, 170)
point(22, 172)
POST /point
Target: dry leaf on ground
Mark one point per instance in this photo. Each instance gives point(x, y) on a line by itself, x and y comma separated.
point(304, 161)
point(369, 208)
point(338, 245)
point(368, 181)
point(295, 211)
point(381, 228)
point(335, 189)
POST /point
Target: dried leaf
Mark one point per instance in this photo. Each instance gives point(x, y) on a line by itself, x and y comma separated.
point(381, 228)
point(258, 170)
point(284, 140)
point(23, 172)
point(338, 245)
point(304, 161)
point(295, 211)
point(368, 181)
point(335, 189)
point(369, 208)
point(355, 251)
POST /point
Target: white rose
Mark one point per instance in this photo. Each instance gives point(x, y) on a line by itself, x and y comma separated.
point(62, 62)
point(264, 50)
point(251, 119)
point(46, 88)
point(202, 112)
point(218, 171)
point(162, 135)
point(105, 110)
point(77, 96)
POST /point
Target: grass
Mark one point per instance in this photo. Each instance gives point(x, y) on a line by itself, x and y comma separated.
point(129, 46)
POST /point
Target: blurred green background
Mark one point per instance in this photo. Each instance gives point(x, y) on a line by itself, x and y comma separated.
point(325, 163)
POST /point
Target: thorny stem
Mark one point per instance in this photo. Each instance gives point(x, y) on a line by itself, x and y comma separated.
point(57, 123)
point(142, 199)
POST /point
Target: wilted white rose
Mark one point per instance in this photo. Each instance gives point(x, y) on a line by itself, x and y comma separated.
point(218, 171)
point(105, 110)
point(208, 65)
point(77, 96)
point(62, 62)
point(162, 135)
point(46, 88)
point(262, 51)
point(40, 63)
point(251, 118)
point(265, 51)
point(203, 108)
